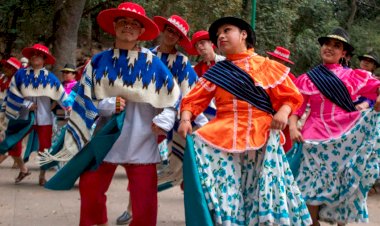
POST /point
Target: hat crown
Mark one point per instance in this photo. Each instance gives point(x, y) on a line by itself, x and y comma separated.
point(282, 52)
point(180, 23)
point(132, 7)
point(41, 48)
point(199, 34)
point(14, 62)
point(340, 32)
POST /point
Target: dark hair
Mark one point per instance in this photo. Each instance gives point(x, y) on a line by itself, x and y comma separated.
point(240, 23)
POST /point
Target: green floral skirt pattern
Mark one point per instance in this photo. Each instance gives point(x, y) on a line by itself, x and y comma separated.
point(337, 174)
point(250, 188)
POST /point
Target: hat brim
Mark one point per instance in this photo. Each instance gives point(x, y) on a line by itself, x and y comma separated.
point(369, 57)
point(69, 70)
point(106, 18)
point(162, 21)
point(280, 57)
point(28, 53)
point(347, 45)
point(240, 23)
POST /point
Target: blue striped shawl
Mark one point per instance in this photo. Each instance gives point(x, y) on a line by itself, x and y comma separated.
point(331, 87)
point(239, 83)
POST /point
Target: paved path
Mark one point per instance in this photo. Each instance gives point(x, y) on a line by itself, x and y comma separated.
point(28, 204)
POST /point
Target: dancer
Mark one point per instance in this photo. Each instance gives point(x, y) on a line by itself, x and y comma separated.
point(338, 157)
point(131, 86)
point(33, 89)
point(245, 178)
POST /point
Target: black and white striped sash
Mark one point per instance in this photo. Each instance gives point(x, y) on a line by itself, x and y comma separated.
point(331, 87)
point(231, 78)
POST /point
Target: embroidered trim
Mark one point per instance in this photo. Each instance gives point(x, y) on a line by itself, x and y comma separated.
point(203, 81)
point(178, 25)
point(281, 54)
point(204, 140)
point(249, 127)
point(333, 118)
point(278, 82)
point(321, 114)
point(234, 136)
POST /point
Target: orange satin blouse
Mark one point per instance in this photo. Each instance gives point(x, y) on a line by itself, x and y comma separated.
point(238, 126)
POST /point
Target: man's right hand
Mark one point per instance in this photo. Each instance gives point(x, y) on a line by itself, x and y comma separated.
point(33, 107)
point(120, 105)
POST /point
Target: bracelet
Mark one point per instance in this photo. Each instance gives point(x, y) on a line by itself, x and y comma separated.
point(184, 120)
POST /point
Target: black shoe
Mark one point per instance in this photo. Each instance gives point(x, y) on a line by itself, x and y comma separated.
point(125, 218)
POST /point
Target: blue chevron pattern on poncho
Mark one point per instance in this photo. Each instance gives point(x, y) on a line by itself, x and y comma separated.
point(181, 68)
point(134, 75)
point(30, 83)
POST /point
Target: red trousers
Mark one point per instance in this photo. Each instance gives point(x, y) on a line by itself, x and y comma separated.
point(16, 150)
point(93, 186)
point(45, 134)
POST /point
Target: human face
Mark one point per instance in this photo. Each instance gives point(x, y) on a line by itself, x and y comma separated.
point(127, 29)
point(367, 64)
point(68, 76)
point(332, 51)
point(204, 47)
point(231, 39)
point(37, 60)
point(170, 36)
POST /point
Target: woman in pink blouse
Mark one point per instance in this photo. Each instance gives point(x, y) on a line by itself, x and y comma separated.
point(339, 162)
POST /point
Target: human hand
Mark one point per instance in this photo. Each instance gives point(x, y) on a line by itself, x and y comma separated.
point(185, 128)
point(362, 106)
point(295, 135)
point(279, 121)
point(157, 130)
point(33, 107)
point(120, 105)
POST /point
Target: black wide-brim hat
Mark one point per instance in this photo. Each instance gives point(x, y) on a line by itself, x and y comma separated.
point(338, 34)
point(371, 56)
point(69, 68)
point(240, 23)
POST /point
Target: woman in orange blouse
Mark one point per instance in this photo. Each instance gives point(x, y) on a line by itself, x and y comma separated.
point(244, 175)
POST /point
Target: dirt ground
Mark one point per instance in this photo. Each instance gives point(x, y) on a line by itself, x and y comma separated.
point(28, 204)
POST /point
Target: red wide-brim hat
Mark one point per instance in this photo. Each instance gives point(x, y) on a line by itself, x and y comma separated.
point(280, 57)
point(197, 36)
point(179, 24)
point(106, 18)
point(28, 52)
point(12, 61)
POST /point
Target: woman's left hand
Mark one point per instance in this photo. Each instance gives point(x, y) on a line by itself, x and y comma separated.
point(280, 120)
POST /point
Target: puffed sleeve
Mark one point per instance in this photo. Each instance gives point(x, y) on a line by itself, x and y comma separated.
point(281, 88)
point(197, 100)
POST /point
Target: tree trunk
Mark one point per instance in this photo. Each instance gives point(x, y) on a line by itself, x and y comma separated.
point(354, 9)
point(11, 37)
point(66, 22)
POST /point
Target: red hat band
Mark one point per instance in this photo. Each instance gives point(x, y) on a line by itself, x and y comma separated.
point(12, 61)
point(179, 23)
point(281, 53)
point(284, 54)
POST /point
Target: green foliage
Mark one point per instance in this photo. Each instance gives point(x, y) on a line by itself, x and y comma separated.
point(294, 24)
